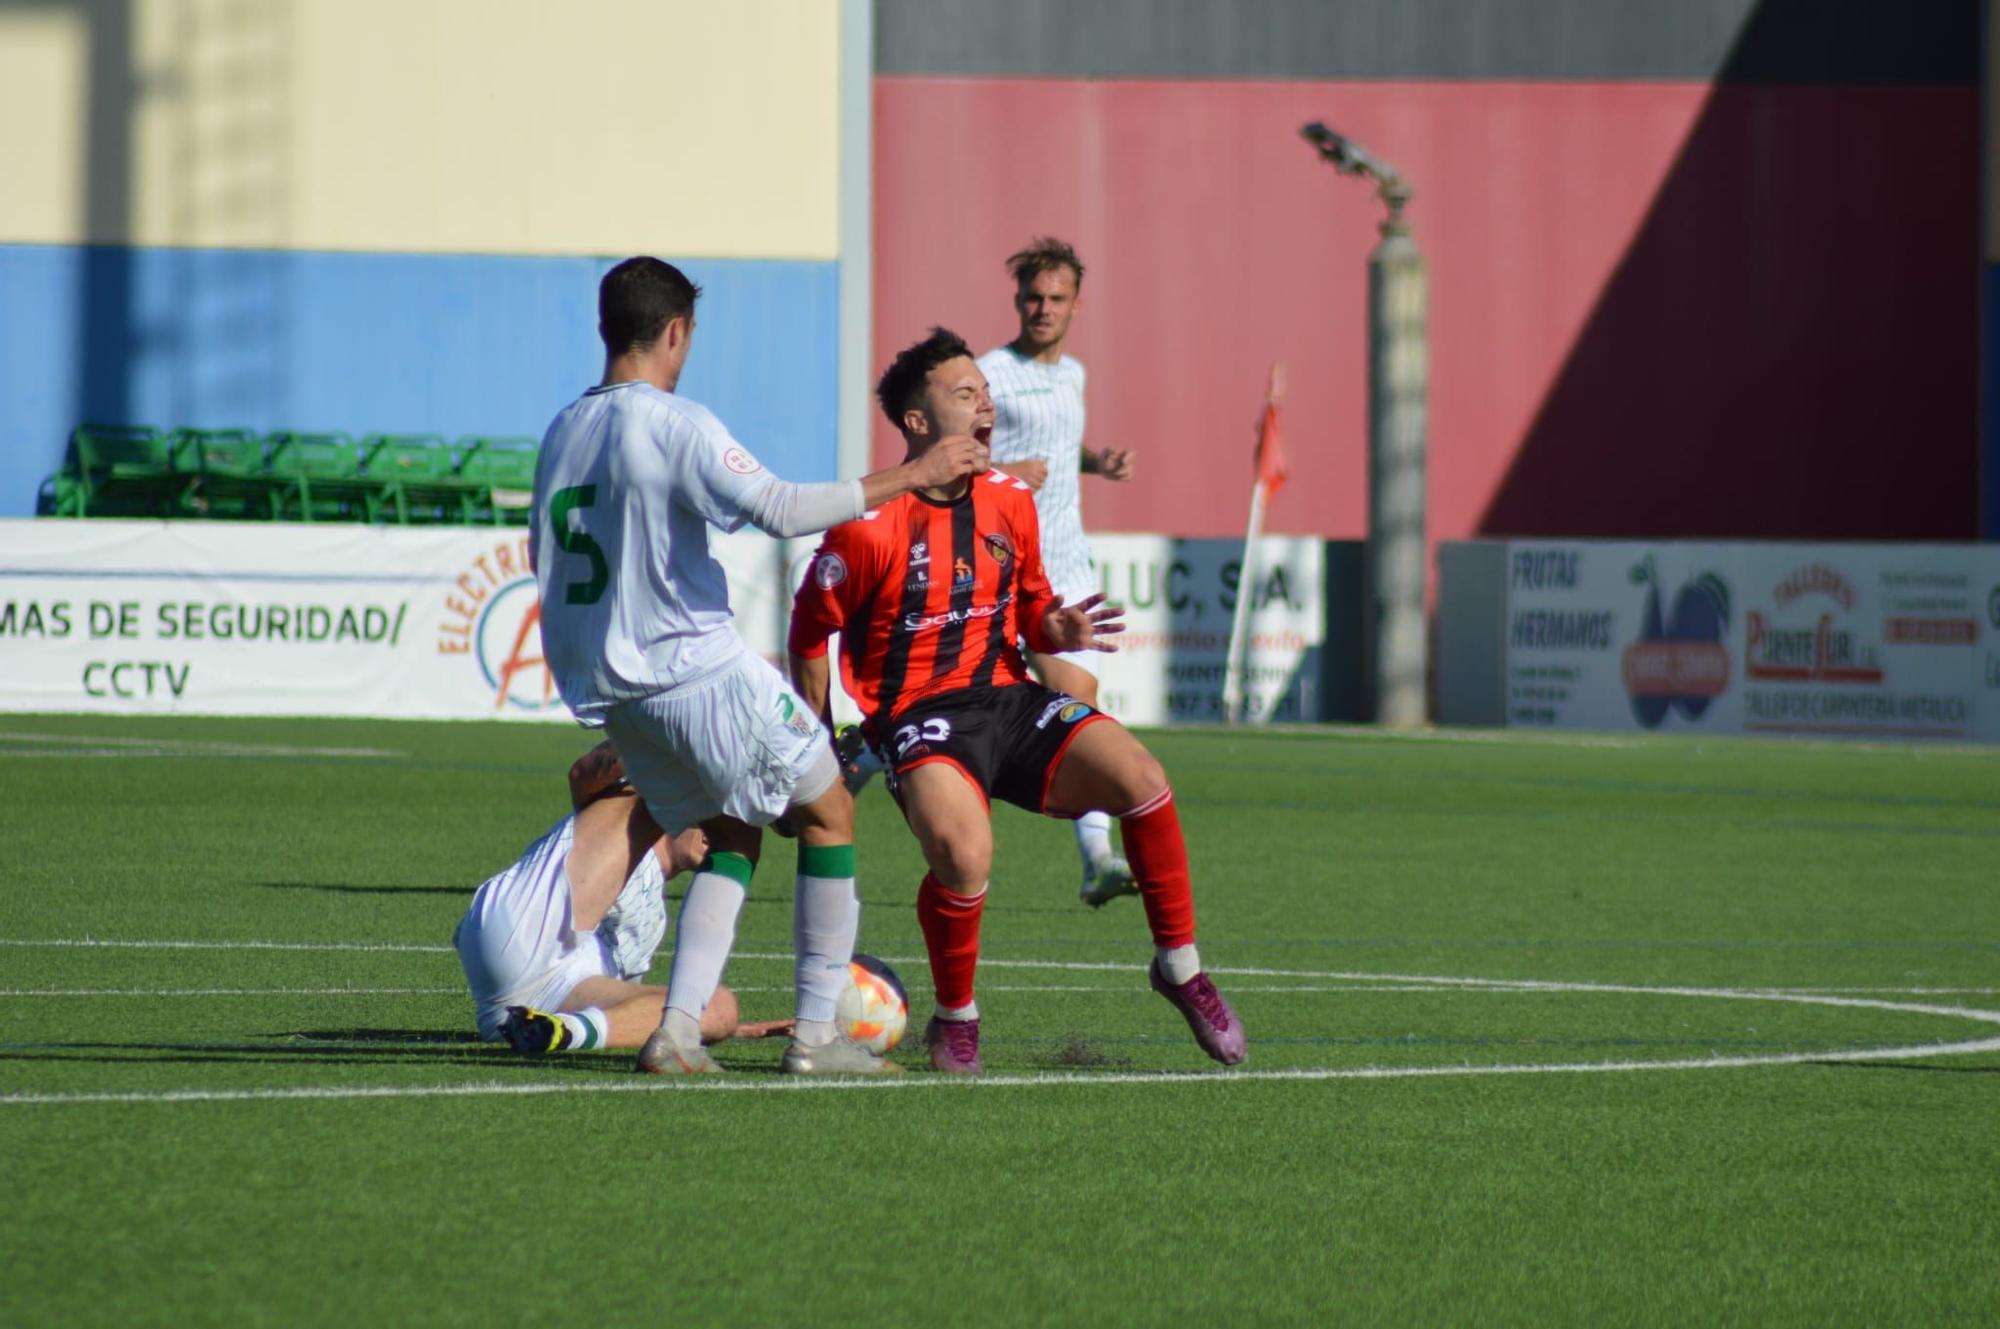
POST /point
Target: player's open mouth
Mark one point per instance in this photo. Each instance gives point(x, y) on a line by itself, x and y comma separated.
point(983, 435)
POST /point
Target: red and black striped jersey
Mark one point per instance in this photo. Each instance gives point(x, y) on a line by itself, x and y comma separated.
point(927, 596)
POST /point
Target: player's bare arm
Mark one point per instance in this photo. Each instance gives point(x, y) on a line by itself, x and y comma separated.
point(812, 676)
point(1030, 471)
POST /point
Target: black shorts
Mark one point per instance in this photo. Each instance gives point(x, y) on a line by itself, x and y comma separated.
point(1007, 740)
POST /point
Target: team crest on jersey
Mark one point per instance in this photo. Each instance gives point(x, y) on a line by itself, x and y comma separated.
point(795, 719)
point(999, 547)
point(830, 571)
point(741, 462)
point(961, 572)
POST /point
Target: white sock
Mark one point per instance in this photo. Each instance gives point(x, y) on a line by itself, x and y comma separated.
point(825, 917)
point(1178, 963)
point(702, 940)
point(589, 1028)
point(969, 1011)
point(1093, 838)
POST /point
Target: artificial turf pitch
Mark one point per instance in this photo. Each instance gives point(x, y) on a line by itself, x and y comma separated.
point(1419, 934)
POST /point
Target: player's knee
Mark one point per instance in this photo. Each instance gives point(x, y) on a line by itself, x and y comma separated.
point(1140, 777)
point(726, 835)
point(960, 863)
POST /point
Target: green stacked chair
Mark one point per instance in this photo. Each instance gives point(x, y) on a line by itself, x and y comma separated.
point(414, 478)
point(499, 473)
point(221, 474)
point(61, 495)
point(123, 471)
point(317, 477)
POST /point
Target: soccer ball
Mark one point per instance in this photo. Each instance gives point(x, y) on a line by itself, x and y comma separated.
point(873, 1009)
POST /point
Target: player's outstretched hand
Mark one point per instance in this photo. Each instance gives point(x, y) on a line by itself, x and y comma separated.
point(950, 459)
point(1083, 626)
point(1115, 464)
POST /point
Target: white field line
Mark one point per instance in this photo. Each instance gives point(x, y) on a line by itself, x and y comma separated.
point(724, 1085)
point(952, 1083)
point(1345, 979)
point(106, 745)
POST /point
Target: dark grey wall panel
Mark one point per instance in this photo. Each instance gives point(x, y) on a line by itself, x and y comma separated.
point(1755, 41)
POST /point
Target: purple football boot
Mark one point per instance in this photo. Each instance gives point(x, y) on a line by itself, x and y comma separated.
point(1207, 1012)
point(954, 1046)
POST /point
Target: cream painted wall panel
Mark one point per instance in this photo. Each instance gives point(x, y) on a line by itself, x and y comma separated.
point(43, 61)
point(684, 127)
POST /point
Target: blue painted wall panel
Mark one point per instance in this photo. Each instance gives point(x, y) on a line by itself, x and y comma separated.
point(443, 344)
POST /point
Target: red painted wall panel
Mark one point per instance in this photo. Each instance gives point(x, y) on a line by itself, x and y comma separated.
point(1656, 309)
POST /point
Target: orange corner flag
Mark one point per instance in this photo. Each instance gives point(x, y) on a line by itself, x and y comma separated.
point(1270, 437)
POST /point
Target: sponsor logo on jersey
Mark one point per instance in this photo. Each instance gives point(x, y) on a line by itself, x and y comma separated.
point(918, 579)
point(830, 571)
point(1073, 712)
point(741, 462)
point(924, 622)
point(961, 572)
point(920, 554)
point(999, 547)
point(493, 614)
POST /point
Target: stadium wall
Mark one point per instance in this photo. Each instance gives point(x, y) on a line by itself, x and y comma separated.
point(367, 215)
point(1703, 269)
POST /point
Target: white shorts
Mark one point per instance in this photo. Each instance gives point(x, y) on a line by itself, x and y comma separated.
point(516, 943)
point(739, 743)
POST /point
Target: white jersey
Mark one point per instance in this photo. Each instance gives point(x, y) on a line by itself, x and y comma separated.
point(518, 947)
point(633, 604)
point(1039, 413)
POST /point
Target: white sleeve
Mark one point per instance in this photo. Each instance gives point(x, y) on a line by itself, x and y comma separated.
point(719, 480)
point(784, 509)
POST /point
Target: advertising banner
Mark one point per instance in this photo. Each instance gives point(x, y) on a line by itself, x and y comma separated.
point(1893, 641)
point(148, 617)
point(200, 618)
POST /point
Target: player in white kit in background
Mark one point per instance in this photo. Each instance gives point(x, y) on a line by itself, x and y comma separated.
point(1038, 437)
point(637, 630)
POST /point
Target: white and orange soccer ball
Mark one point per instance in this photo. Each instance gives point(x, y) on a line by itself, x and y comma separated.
point(873, 1009)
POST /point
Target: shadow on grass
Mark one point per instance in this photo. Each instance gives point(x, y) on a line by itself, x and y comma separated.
point(348, 1047)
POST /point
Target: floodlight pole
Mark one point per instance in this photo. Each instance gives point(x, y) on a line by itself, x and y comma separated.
point(1395, 628)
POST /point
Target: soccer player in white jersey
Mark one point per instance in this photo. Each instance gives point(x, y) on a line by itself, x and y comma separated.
point(555, 946)
point(1038, 437)
point(636, 629)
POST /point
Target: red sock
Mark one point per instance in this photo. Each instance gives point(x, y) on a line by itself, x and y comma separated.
point(1158, 856)
point(951, 934)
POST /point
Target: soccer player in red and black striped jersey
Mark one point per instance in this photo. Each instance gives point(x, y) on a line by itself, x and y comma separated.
point(930, 593)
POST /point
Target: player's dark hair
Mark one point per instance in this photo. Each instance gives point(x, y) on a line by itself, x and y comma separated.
point(1044, 253)
point(637, 299)
point(902, 383)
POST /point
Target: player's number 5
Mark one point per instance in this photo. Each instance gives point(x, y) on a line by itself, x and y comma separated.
point(576, 541)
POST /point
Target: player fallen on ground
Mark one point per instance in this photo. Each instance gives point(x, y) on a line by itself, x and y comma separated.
point(929, 594)
point(1038, 438)
point(637, 630)
point(555, 947)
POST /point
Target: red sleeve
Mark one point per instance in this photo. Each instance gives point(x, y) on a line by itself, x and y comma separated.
point(821, 604)
point(1035, 592)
